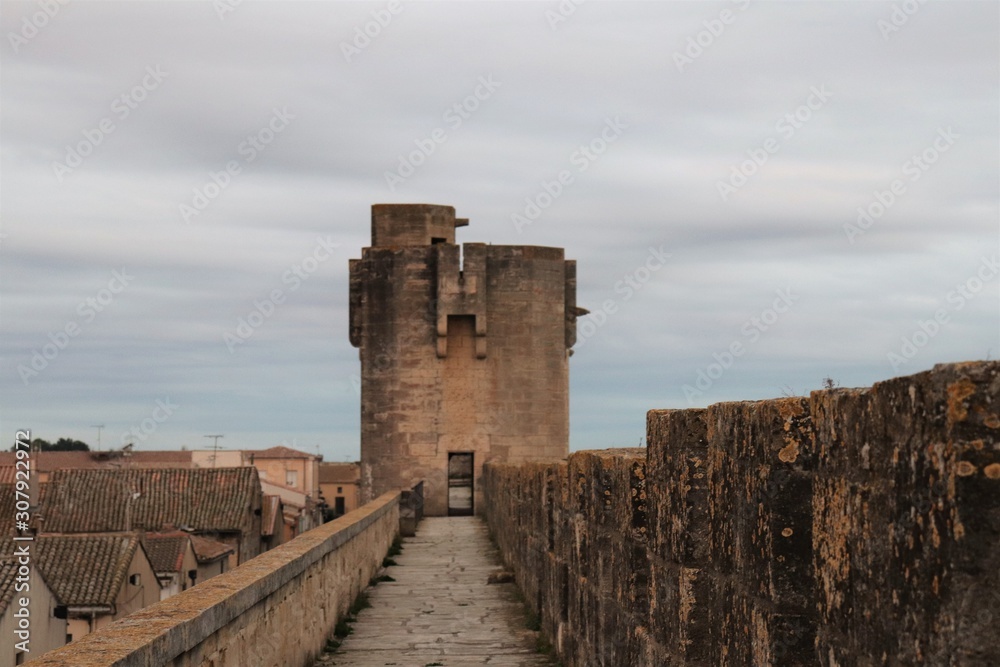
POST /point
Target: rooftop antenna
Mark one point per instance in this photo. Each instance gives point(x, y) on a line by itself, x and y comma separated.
point(98, 427)
point(215, 446)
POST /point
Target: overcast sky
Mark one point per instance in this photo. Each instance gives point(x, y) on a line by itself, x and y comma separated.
point(167, 165)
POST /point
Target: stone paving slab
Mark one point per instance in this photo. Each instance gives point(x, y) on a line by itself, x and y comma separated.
point(440, 610)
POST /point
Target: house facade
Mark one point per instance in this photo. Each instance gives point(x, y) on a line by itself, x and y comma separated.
point(339, 485)
point(47, 630)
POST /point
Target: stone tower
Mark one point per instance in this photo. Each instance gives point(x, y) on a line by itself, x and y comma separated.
point(464, 355)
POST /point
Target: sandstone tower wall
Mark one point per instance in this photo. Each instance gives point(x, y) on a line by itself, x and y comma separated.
point(464, 349)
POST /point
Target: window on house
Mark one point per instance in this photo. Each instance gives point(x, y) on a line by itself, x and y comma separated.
point(340, 489)
point(292, 477)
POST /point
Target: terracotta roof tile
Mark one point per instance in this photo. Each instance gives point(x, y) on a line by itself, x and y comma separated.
point(166, 550)
point(207, 550)
point(343, 473)
point(165, 456)
point(48, 461)
point(51, 461)
point(6, 509)
point(7, 474)
point(8, 572)
point(94, 501)
point(84, 570)
point(280, 452)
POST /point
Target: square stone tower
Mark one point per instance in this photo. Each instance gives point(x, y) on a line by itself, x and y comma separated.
point(464, 355)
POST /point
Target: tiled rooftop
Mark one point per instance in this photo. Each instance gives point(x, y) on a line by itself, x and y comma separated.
point(280, 452)
point(96, 501)
point(84, 570)
point(8, 572)
point(166, 550)
point(207, 550)
point(339, 473)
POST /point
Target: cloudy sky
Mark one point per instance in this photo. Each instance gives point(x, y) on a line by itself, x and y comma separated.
point(809, 187)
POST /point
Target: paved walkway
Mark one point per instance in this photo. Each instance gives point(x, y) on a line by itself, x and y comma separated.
point(440, 610)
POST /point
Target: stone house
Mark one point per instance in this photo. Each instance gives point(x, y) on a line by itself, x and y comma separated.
point(173, 560)
point(182, 560)
point(287, 467)
point(339, 485)
point(212, 556)
point(96, 579)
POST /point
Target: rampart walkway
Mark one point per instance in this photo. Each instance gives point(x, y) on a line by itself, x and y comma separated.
point(440, 610)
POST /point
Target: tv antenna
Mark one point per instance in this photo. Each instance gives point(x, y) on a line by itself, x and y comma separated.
point(98, 427)
point(215, 446)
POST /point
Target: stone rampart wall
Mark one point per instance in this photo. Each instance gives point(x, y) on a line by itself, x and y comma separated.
point(855, 527)
point(276, 610)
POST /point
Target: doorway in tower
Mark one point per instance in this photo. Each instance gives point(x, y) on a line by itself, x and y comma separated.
point(460, 467)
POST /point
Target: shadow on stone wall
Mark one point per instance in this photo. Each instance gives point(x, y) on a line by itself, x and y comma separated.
point(853, 527)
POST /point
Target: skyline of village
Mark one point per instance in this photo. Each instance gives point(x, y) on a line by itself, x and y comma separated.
point(827, 215)
point(112, 532)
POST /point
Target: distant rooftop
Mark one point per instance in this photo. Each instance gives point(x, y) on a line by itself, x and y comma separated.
point(85, 570)
point(50, 461)
point(166, 550)
point(8, 571)
point(95, 501)
point(207, 550)
point(280, 452)
point(339, 473)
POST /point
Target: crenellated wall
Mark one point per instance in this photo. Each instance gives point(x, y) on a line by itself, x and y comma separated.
point(276, 610)
point(852, 528)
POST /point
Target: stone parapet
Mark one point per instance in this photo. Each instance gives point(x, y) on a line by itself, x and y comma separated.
point(855, 527)
point(275, 610)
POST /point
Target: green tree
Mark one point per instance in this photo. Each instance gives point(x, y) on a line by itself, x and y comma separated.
point(40, 445)
point(61, 445)
point(69, 445)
